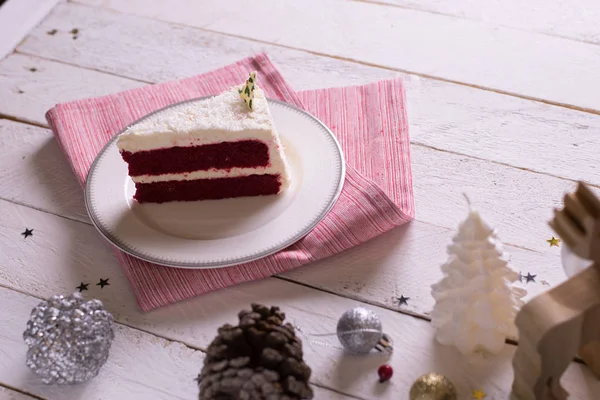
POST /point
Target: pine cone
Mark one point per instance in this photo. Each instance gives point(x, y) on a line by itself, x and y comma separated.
point(260, 359)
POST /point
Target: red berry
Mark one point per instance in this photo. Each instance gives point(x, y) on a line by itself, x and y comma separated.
point(385, 372)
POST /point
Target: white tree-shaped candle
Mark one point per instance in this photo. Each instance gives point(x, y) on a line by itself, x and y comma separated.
point(476, 302)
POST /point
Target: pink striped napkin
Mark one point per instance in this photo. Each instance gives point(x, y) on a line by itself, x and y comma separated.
point(369, 121)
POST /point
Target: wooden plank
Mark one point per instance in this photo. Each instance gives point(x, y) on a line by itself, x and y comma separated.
point(8, 394)
point(17, 17)
point(576, 19)
point(157, 59)
point(36, 173)
point(140, 365)
point(30, 86)
point(61, 253)
point(456, 118)
point(521, 63)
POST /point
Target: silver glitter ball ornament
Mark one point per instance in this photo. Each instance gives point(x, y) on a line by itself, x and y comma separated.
point(359, 330)
point(69, 339)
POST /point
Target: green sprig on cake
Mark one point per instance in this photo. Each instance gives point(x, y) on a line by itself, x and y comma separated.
point(247, 91)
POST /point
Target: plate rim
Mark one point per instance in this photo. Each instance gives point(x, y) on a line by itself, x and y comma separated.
point(206, 265)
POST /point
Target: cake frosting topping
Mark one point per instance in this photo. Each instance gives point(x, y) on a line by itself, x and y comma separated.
point(188, 124)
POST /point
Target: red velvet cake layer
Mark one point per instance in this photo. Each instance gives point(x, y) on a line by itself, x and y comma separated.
point(173, 160)
point(207, 189)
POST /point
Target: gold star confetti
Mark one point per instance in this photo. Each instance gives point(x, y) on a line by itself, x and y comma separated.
point(553, 242)
point(479, 394)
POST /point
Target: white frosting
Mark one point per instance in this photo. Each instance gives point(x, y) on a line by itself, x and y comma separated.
point(222, 118)
point(210, 174)
point(476, 302)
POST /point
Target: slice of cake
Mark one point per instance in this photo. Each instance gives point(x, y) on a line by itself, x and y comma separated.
point(222, 147)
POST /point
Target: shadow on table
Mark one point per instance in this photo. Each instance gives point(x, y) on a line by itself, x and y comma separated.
point(355, 271)
point(57, 183)
point(469, 374)
point(351, 368)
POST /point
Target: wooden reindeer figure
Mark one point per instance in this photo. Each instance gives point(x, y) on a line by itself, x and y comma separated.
point(557, 325)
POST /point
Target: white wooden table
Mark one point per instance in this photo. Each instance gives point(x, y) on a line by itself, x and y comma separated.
point(504, 105)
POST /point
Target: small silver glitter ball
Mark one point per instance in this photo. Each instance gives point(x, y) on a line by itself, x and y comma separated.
point(69, 339)
point(359, 330)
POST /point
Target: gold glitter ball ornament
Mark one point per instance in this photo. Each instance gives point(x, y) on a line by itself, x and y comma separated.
point(433, 387)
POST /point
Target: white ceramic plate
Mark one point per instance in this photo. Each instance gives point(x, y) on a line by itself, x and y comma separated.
point(220, 233)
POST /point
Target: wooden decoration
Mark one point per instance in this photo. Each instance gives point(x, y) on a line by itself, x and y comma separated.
point(557, 325)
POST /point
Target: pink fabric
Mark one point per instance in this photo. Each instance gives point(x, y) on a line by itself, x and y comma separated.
point(369, 121)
